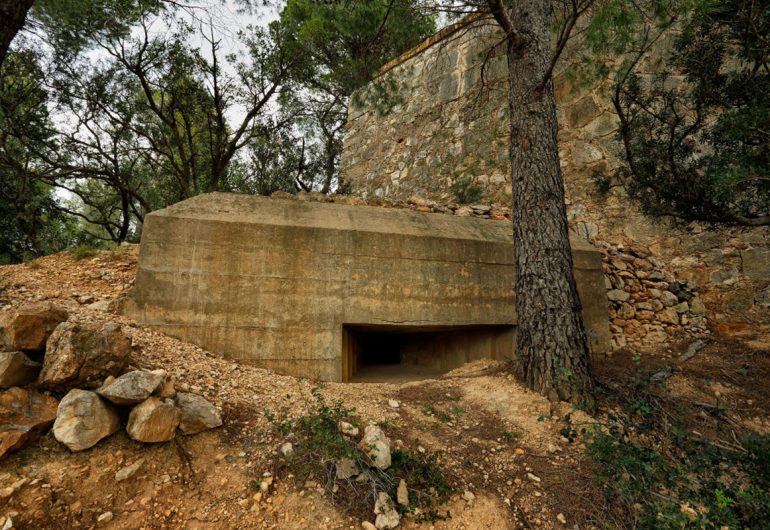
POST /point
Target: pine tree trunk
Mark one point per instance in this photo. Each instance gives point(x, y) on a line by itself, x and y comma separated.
point(13, 14)
point(552, 347)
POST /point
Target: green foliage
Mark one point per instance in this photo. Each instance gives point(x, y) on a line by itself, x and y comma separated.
point(30, 223)
point(340, 45)
point(510, 436)
point(154, 119)
point(434, 412)
point(72, 26)
point(675, 478)
point(83, 252)
point(464, 191)
point(319, 445)
point(697, 135)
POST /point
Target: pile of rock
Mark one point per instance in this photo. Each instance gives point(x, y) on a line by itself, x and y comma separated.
point(482, 211)
point(648, 305)
point(41, 354)
point(376, 445)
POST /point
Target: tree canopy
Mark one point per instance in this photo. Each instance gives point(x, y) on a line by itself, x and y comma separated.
point(697, 134)
point(128, 106)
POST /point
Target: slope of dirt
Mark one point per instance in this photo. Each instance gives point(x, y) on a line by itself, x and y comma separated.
point(204, 481)
point(496, 440)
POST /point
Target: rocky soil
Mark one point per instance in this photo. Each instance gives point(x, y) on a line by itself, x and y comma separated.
point(500, 446)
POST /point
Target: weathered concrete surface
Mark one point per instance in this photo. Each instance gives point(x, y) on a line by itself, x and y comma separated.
point(274, 281)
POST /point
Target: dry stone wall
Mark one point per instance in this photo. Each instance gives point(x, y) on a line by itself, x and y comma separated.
point(447, 142)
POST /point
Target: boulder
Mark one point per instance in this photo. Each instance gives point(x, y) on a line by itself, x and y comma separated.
point(669, 299)
point(377, 446)
point(104, 518)
point(29, 327)
point(153, 420)
point(84, 354)
point(16, 369)
point(387, 515)
point(697, 307)
point(84, 419)
point(287, 450)
point(24, 416)
point(197, 414)
point(131, 388)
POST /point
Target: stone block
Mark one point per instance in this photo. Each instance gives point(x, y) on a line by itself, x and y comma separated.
point(582, 111)
point(584, 153)
point(84, 354)
point(756, 263)
point(24, 416)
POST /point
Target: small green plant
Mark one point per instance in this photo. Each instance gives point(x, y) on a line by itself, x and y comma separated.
point(83, 252)
point(510, 436)
point(568, 431)
point(456, 411)
point(432, 411)
point(319, 446)
point(387, 424)
point(464, 191)
point(677, 479)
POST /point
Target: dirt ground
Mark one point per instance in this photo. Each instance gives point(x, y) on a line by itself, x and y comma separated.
point(495, 439)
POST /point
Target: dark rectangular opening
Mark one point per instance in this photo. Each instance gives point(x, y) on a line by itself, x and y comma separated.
point(395, 353)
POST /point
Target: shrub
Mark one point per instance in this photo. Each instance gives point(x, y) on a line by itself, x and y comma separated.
point(464, 190)
point(676, 479)
point(318, 445)
point(83, 252)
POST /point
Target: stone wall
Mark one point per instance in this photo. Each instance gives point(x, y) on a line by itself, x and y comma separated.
point(450, 133)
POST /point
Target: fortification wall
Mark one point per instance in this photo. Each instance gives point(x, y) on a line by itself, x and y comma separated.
point(450, 133)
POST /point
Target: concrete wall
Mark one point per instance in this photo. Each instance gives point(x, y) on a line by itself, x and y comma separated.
point(273, 281)
point(451, 126)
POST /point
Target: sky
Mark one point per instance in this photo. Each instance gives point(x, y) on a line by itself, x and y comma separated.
point(228, 19)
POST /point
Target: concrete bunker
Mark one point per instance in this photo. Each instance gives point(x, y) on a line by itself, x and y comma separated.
point(300, 287)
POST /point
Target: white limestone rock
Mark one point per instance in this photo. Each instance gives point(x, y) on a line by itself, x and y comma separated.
point(154, 420)
point(131, 388)
point(348, 429)
point(387, 515)
point(377, 446)
point(83, 419)
point(346, 468)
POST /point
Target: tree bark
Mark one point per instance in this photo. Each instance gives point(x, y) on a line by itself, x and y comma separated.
point(552, 348)
point(13, 14)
